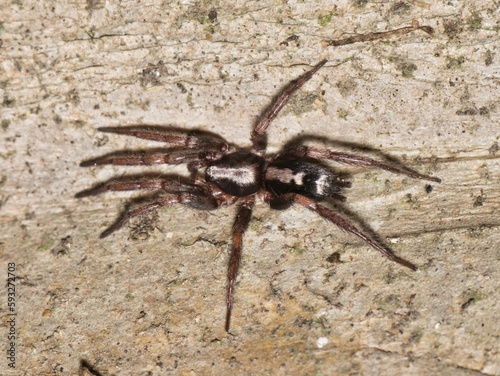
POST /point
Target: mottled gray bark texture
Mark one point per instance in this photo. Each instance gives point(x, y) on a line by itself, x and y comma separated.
point(310, 299)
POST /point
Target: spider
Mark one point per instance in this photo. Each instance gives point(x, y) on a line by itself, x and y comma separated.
point(233, 175)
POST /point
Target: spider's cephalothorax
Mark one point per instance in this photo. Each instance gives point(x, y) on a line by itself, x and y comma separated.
point(235, 176)
point(238, 174)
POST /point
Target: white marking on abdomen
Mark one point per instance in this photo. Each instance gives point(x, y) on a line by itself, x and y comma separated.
point(245, 175)
point(322, 185)
point(285, 175)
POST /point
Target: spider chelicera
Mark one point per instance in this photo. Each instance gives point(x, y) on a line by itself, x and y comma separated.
point(235, 176)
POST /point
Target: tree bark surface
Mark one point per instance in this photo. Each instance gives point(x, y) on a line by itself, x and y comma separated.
point(309, 299)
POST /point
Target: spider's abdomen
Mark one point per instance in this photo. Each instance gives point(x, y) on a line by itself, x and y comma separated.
point(300, 177)
point(237, 174)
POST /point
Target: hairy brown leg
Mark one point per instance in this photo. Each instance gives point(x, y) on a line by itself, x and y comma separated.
point(356, 160)
point(195, 200)
point(146, 184)
point(258, 134)
point(239, 227)
point(349, 227)
point(172, 136)
point(150, 158)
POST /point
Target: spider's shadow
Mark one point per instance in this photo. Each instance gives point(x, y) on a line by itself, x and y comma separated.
point(131, 152)
point(184, 185)
point(162, 131)
point(344, 145)
point(183, 181)
point(169, 128)
point(342, 210)
point(352, 147)
point(86, 368)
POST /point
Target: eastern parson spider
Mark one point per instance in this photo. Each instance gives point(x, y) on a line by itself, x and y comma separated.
point(236, 176)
